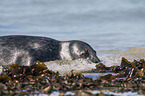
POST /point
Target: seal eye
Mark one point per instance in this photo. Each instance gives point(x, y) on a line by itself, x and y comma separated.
point(85, 55)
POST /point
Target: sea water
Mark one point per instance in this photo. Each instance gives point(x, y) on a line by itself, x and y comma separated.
point(114, 28)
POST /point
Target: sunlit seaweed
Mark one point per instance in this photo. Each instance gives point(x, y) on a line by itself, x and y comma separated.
point(39, 79)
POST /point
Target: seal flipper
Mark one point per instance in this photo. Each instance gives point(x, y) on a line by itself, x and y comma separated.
point(24, 60)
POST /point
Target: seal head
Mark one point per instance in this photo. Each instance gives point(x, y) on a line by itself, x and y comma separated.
point(78, 49)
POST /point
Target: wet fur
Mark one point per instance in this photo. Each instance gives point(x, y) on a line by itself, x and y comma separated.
point(25, 50)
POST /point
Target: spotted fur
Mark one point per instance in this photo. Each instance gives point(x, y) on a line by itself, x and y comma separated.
point(25, 50)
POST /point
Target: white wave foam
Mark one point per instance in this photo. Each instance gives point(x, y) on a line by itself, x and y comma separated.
point(65, 66)
point(113, 57)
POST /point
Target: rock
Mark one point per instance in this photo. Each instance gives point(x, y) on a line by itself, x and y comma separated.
point(125, 62)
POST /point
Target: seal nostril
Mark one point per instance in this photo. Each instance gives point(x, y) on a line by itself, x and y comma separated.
point(96, 60)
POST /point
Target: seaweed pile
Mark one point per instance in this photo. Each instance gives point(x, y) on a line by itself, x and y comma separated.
point(129, 76)
point(39, 79)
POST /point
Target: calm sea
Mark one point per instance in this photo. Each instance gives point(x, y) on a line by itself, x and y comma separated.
point(114, 28)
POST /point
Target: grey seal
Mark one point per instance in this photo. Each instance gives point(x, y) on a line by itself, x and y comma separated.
point(25, 50)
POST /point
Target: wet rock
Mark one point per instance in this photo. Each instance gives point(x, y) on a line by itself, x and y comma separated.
point(125, 62)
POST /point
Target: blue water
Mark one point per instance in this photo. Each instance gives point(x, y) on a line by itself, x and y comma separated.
point(104, 24)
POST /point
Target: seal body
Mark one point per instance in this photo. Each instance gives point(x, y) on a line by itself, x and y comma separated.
point(25, 50)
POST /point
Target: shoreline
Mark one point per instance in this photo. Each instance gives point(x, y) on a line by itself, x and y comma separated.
point(128, 77)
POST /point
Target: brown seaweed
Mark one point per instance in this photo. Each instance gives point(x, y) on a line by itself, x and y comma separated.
point(39, 79)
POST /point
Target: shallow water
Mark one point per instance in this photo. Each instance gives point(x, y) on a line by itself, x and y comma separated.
point(114, 28)
point(90, 93)
point(113, 57)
